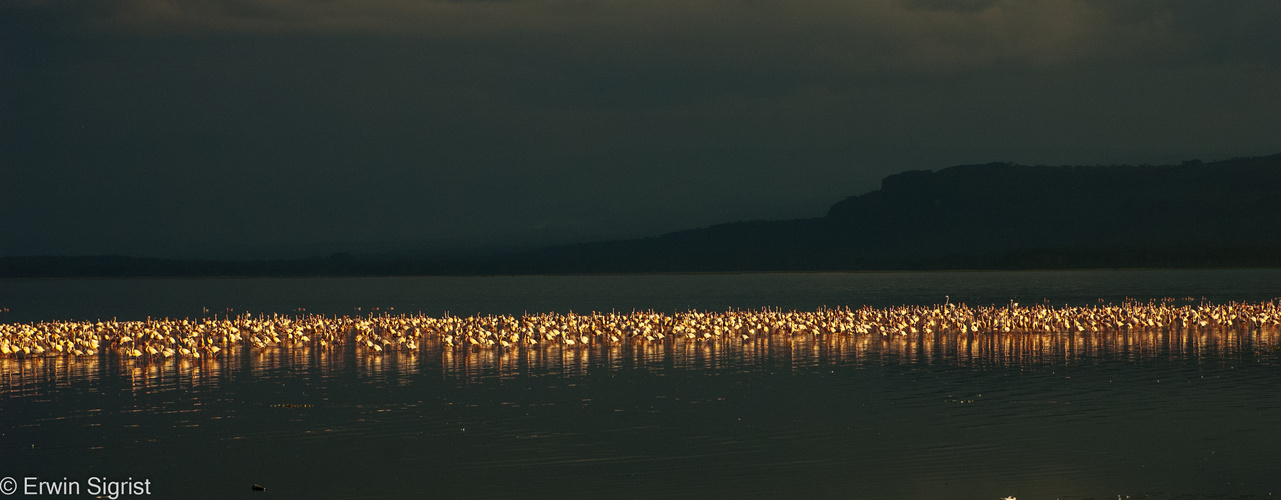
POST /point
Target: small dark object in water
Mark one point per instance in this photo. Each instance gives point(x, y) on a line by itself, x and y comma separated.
point(258, 487)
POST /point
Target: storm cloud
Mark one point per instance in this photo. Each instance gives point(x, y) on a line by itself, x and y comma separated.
point(292, 127)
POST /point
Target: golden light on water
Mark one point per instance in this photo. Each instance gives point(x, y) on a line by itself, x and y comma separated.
point(777, 348)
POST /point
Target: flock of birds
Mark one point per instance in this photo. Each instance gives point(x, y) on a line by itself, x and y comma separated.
point(205, 337)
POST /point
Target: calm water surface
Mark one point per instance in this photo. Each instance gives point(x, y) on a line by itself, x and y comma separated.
point(37, 300)
point(1160, 415)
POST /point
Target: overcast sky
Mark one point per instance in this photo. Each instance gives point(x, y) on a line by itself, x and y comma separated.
point(268, 128)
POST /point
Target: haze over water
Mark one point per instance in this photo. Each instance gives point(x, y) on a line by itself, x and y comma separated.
point(1152, 415)
point(136, 299)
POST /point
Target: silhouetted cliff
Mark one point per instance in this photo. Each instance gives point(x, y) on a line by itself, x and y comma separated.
point(1003, 207)
point(997, 215)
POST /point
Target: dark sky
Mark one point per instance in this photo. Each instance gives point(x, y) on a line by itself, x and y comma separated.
point(268, 128)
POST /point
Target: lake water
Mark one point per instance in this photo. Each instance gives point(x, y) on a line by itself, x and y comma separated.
point(1152, 415)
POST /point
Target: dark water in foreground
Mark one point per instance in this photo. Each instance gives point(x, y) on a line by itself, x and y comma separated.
point(1169, 414)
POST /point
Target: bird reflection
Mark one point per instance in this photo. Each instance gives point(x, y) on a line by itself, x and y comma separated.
point(186, 352)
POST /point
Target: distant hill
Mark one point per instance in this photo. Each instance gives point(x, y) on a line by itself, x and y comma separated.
point(996, 215)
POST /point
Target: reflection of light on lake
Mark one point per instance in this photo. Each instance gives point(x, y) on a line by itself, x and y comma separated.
point(777, 351)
